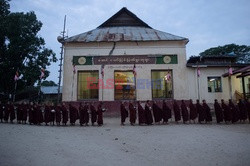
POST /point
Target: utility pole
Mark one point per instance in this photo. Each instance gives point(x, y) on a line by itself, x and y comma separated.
point(61, 40)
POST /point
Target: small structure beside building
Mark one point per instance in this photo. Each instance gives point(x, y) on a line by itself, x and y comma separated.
point(50, 93)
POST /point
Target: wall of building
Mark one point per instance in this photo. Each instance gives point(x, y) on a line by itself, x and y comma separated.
point(126, 48)
point(185, 81)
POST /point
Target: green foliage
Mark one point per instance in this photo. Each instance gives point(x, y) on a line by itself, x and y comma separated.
point(48, 83)
point(21, 49)
point(241, 51)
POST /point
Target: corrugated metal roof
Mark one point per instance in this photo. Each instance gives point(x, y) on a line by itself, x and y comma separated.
point(50, 89)
point(127, 33)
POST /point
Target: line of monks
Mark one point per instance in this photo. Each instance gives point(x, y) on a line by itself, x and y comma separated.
point(49, 113)
point(152, 112)
point(187, 111)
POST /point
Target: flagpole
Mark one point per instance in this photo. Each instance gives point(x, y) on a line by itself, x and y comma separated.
point(198, 81)
point(14, 96)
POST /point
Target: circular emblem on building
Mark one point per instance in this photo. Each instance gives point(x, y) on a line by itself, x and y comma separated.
point(82, 60)
point(167, 59)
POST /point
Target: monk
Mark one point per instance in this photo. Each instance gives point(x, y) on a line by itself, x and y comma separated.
point(157, 112)
point(18, 113)
point(207, 111)
point(166, 112)
point(243, 111)
point(100, 111)
point(40, 118)
point(184, 111)
point(58, 114)
point(177, 112)
point(93, 113)
point(31, 113)
point(25, 112)
point(86, 114)
point(73, 112)
point(2, 108)
point(124, 113)
point(35, 113)
point(65, 114)
point(141, 114)
point(234, 111)
point(192, 111)
point(226, 111)
point(47, 114)
point(132, 113)
point(12, 112)
point(218, 111)
point(148, 114)
point(201, 112)
point(81, 114)
point(7, 112)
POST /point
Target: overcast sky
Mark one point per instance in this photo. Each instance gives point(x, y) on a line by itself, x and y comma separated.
point(207, 23)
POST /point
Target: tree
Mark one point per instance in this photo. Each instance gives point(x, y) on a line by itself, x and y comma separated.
point(48, 83)
point(241, 51)
point(21, 49)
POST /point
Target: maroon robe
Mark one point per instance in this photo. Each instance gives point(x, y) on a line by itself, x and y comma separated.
point(184, 111)
point(166, 112)
point(124, 113)
point(25, 112)
point(177, 112)
point(47, 114)
point(141, 115)
point(227, 112)
point(248, 109)
point(93, 114)
point(1, 111)
point(40, 118)
point(218, 112)
point(193, 111)
point(208, 116)
point(58, 114)
point(6, 112)
point(148, 114)
point(31, 114)
point(19, 111)
point(242, 110)
point(65, 115)
point(99, 115)
point(234, 111)
point(86, 114)
point(201, 112)
point(73, 114)
point(157, 112)
point(81, 114)
point(12, 112)
point(132, 113)
point(35, 114)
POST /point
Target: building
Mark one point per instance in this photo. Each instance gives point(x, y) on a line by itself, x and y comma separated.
point(126, 59)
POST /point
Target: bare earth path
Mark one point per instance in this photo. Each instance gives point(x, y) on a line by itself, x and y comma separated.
point(113, 144)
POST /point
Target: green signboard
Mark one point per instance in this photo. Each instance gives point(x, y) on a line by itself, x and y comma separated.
point(167, 59)
point(82, 60)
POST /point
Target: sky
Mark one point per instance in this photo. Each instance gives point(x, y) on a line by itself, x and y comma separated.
point(205, 23)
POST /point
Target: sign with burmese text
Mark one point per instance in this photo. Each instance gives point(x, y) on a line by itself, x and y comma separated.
point(128, 59)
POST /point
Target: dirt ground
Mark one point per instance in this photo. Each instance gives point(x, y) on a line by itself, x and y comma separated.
point(112, 144)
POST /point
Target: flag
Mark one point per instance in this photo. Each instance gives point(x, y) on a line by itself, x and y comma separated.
point(198, 72)
point(42, 73)
point(134, 70)
point(16, 76)
point(74, 69)
point(102, 71)
point(230, 71)
point(168, 77)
